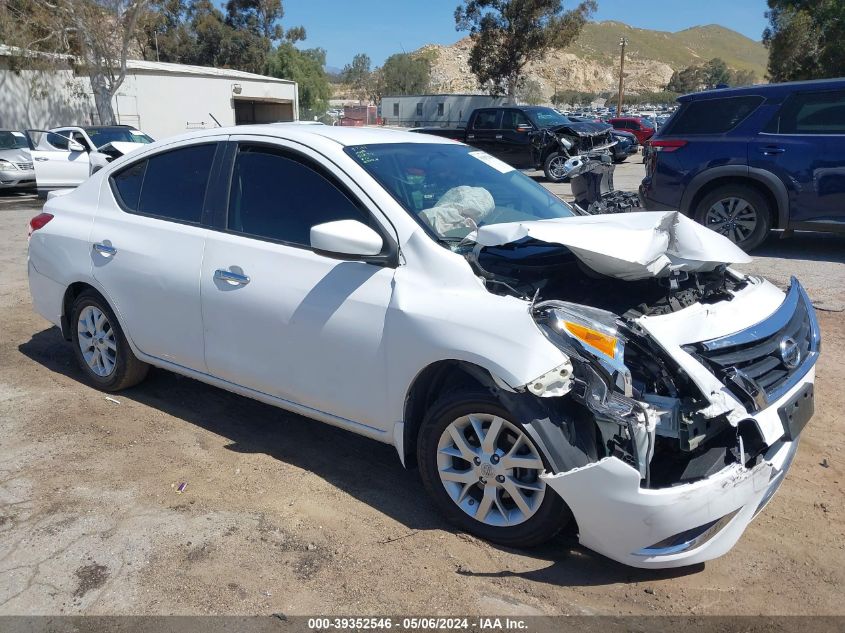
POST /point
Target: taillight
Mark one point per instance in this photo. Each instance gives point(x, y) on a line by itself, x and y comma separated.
point(668, 145)
point(38, 222)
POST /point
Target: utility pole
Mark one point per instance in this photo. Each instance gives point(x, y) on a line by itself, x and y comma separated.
point(155, 35)
point(623, 42)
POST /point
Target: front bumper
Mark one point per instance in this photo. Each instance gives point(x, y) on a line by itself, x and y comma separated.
point(19, 178)
point(678, 526)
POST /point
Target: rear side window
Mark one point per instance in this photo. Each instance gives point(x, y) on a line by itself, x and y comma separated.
point(712, 116)
point(279, 197)
point(128, 184)
point(170, 185)
point(811, 113)
point(487, 120)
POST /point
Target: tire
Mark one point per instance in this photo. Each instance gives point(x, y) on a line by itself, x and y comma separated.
point(551, 167)
point(620, 160)
point(739, 212)
point(117, 367)
point(436, 452)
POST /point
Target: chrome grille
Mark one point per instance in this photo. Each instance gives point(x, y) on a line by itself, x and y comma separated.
point(24, 166)
point(769, 357)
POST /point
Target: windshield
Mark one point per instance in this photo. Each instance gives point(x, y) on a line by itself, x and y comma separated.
point(102, 135)
point(451, 189)
point(546, 117)
point(12, 140)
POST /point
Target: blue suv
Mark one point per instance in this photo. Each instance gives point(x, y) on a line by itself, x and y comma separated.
point(743, 161)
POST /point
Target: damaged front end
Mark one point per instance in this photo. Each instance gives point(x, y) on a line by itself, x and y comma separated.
point(698, 382)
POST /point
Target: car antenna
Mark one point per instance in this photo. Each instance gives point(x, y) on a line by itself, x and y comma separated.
point(215, 120)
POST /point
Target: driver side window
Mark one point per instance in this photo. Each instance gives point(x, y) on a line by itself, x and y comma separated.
point(278, 196)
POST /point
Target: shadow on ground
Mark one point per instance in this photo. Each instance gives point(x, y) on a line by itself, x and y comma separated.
point(804, 245)
point(366, 469)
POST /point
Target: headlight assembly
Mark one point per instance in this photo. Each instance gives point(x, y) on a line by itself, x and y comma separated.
point(590, 331)
point(7, 166)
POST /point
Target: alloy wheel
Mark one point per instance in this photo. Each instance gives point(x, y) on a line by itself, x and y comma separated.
point(733, 217)
point(97, 341)
point(490, 470)
point(557, 167)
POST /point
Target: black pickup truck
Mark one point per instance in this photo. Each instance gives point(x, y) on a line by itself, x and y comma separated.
point(530, 137)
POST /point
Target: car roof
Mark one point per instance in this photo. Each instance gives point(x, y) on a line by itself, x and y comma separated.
point(342, 135)
point(769, 90)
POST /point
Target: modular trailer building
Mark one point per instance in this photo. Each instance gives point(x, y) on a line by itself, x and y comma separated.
point(159, 98)
point(448, 110)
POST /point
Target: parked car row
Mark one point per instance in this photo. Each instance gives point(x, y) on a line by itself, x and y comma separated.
point(62, 158)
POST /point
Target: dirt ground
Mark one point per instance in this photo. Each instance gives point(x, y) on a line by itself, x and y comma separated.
point(282, 514)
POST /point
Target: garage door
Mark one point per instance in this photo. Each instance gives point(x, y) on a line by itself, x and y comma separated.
point(248, 111)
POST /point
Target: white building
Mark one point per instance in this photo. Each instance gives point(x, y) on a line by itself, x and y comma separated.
point(159, 98)
point(447, 110)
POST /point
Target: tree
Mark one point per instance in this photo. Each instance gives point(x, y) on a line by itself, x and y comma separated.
point(404, 74)
point(97, 32)
point(306, 67)
point(509, 34)
point(358, 75)
point(530, 92)
point(715, 73)
point(689, 79)
point(804, 38)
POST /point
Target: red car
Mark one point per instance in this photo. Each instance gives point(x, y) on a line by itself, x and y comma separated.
point(637, 126)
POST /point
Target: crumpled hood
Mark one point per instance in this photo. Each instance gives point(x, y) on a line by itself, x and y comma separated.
point(627, 246)
point(124, 147)
point(581, 128)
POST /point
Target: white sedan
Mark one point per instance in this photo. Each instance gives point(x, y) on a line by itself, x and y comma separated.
point(538, 367)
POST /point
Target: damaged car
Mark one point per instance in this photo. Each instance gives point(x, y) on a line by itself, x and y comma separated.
point(613, 373)
point(532, 137)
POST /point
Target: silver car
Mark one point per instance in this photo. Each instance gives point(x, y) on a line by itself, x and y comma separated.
point(16, 169)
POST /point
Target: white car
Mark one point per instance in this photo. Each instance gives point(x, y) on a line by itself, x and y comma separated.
point(538, 367)
point(16, 170)
point(66, 156)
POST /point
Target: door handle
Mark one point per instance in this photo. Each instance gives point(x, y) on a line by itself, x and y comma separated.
point(772, 150)
point(41, 159)
point(498, 137)
point(104, 249)
point(235, 279)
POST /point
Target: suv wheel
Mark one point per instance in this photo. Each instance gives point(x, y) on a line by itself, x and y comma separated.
point(738, 212)
point(483, 472)
point(100, 346)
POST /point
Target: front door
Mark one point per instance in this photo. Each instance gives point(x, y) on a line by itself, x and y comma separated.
point(515, 147)
point(280, 318)
point(56, 166)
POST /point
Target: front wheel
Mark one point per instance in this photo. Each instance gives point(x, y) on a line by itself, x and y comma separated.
point(738, 212)
point(483, 471)
point(554, 167)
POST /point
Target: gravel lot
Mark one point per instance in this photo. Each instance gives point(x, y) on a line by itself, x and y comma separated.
point(282, 514)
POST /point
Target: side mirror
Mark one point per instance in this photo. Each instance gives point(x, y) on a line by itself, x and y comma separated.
point(75, 146)
point(346, 237)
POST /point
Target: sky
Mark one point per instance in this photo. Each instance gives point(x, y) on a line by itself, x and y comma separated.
point(380, 28)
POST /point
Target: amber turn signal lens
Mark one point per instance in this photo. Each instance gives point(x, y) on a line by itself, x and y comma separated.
point(604, 343)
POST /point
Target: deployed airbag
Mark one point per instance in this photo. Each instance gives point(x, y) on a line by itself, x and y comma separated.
point(460, 207)
point(627, 246)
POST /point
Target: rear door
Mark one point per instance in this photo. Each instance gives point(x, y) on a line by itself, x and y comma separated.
point(804, 145)
point(148, 240)
point(486, 126)
point(56, 166)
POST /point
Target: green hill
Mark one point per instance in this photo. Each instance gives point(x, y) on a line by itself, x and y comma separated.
point(600, 40)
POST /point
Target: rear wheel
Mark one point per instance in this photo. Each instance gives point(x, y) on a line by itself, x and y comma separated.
point(483, 471)
point(738, 212)
point(101, 348)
